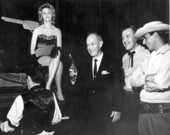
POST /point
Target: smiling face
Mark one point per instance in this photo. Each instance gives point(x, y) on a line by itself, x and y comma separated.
point(46, 14)
point(128, 39)
point(94, 45)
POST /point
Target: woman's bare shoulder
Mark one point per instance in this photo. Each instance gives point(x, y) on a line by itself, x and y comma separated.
point(38, 30)
point(56, 29)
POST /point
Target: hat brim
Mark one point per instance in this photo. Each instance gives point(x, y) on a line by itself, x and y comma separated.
point(142, 31)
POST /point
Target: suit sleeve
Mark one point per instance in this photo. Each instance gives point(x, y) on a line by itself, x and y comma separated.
point(117, 87)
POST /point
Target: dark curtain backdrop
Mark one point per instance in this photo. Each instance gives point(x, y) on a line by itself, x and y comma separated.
point(75, 18)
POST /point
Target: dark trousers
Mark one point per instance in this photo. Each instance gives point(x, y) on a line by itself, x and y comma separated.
point(98, 112)
point(130, 113)
point(154, 124)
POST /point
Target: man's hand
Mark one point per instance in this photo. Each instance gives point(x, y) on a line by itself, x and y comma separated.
point(116, 116)
point(55, 51)
point(150, 83)
point(73, 74)
point(4, 127)
point(150, 78)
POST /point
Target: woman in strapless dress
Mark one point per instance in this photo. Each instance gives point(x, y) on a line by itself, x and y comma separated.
point(46, 45)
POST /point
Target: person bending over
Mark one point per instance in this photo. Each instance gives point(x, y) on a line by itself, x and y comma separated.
point(36, 111)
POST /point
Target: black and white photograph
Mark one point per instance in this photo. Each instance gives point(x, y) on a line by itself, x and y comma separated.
point(84, 67)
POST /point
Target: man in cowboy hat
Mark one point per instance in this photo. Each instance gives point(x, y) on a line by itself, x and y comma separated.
point(154, 75)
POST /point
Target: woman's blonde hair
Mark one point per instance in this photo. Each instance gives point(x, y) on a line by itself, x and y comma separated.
point(49, 6)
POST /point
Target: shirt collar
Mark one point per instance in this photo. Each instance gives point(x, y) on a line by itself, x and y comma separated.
point(35, 87)
point(99, 58)
point(137, 49)
point(163, 49)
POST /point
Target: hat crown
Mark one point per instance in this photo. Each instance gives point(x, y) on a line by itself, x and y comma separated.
point(151, 27)
point(152, 23)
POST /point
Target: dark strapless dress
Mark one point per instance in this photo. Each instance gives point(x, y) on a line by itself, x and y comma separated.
point(45, 44)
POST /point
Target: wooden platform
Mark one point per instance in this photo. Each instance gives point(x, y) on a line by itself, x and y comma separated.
point(11, 85)
point(7, 95)
point(12, 79)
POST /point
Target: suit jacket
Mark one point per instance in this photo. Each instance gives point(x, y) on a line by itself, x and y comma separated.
point(106, 87)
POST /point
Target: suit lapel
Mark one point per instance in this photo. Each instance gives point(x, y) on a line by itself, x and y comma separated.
point(91, 71)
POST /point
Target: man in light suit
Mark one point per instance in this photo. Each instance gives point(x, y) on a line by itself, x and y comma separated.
point(103, 88)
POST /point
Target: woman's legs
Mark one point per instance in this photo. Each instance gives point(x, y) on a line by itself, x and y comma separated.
point(53, 67)
point(55, 70)
point(58, 79)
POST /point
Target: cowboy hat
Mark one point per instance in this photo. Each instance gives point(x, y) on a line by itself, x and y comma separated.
point(151, 27)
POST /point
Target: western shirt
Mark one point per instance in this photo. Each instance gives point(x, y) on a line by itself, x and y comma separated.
point(157, 65)
point(140, 55)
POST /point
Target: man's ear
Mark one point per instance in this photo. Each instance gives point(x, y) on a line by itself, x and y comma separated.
point(156, 35)
point(101, 43)
point(29, 77)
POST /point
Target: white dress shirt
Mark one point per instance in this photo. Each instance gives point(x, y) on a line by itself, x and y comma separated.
point(99, 59)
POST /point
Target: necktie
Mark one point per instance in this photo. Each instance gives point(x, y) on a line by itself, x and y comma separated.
point(131, 54)
point(95, 68)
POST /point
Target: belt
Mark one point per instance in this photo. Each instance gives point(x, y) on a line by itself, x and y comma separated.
point(137, 89)
point(154, 108)
point(129, 92)
point(160, 90)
